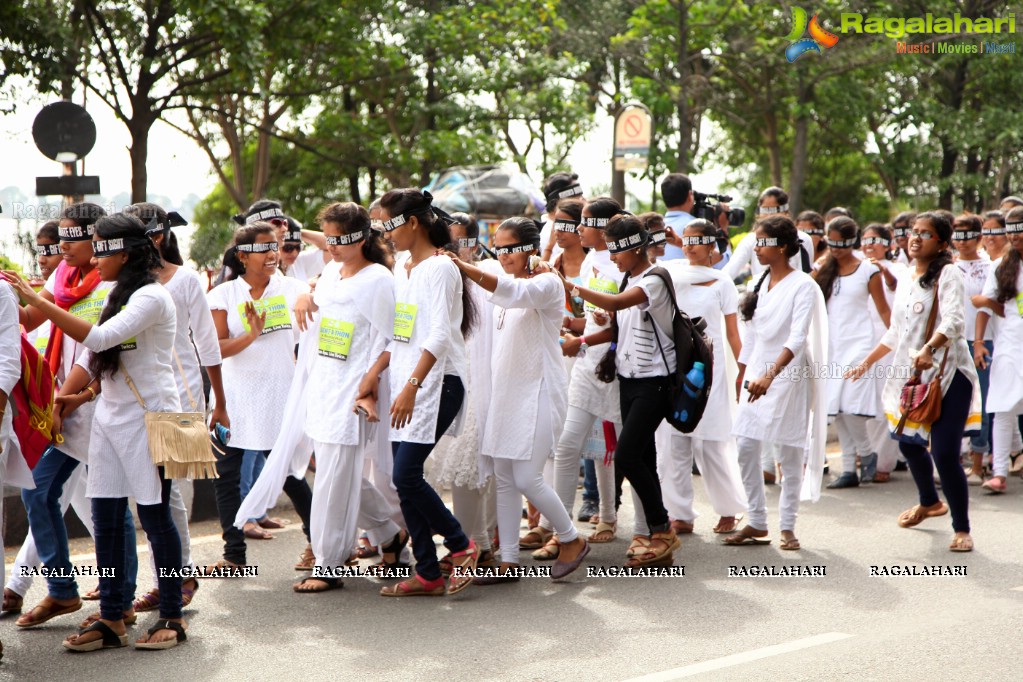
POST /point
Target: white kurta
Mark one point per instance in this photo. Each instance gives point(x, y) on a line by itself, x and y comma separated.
point(120, 464)
point(308, 265)
point(526, 360)
point(910, 311)
point(361, 306)
point(883, 366)
point(712, 303)
point(745, 254)
point(975, 274)
point(256, 381)
point(195, 333)
point(782, 320)
point(585, 390)
point(1006, 388)
point(430, 298)
point(850, 341)
point(13, 468)
point(76, 429)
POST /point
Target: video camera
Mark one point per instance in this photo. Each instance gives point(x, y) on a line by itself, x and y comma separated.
point(705, 209)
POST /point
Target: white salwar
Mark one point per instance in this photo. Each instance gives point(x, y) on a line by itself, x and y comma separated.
point(885, 446)
point(1005, 392)
point(526, 366)
point(710, 443)
point(792, 414)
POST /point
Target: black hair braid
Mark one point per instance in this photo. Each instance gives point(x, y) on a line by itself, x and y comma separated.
point(748, 307)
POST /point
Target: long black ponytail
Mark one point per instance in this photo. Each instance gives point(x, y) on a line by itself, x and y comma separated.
point(136, 273)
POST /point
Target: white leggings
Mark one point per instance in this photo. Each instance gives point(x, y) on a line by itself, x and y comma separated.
point(1005, 432)
point(476, 511)
point(719, 472)
point(886, 447)
point(852, 436)
point(73, 496)
point(791, 460)
point(578, 425)
point(344, 500)
point(518, 477)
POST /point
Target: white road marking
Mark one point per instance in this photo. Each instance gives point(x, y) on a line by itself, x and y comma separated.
point(740, 658)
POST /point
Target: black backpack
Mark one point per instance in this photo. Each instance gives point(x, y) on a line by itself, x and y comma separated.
point(691, 346)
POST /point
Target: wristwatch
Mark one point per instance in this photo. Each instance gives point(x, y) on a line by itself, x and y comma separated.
point(574, 293)
point(930, 348)
point(582, 344)
point(415, 382)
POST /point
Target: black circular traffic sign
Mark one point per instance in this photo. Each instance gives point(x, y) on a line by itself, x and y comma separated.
point(64, 127)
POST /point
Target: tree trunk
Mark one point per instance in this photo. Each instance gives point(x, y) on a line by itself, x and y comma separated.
point(773, 147)
point(799, 163)
point(138, 128)
point(948, 165)
point(682, 104)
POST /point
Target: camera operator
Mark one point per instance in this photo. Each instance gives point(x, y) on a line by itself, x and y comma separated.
point(677, 193)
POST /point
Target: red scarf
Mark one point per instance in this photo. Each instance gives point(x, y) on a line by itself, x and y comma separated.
point(66, 293)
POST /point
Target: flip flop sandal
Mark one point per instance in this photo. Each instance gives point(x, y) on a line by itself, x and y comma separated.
point(46, 614)
point(792, 544)
point(148, 602)
point(222, 569)
point(535, 538)
point(726, 529)
point(961, 545)
point(166, 644)
point(306, 560)
point(273, 523)
point(465, 562)
point(548, 552)
point(330, 584)
point(604, 532)
point(92, 595)
point(742, 538)
point(129, 619)
point(639, 543)
point(682, 527)
point(416, 586)
point(916, 514)
point(109, 640)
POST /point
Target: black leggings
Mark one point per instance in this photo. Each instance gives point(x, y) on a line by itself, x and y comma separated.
point(946, 439)
point(644, 405)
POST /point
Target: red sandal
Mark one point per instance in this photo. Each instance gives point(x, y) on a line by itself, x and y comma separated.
point(416, 586)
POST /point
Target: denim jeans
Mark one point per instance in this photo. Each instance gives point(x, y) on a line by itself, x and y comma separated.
point(590, 492)
point(424, 511)
point(981, 442)
point(46, 523)
point(112, 526)
point(229, 499)
point(252, 466)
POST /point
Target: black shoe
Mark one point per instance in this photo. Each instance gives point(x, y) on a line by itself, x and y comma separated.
point(846, 480)
point(588, 510)
point(901, 465)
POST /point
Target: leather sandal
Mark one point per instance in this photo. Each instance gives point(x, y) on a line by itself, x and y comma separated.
point(638, 545)
point(44, 611)
point(306, 560)
point(462, 566)
point(916, 514)
point(13, 602)
point(662, 546)
point(535, 538)
point(548, 552)
point(604, 532)
point(416, 586)
point(147, 602)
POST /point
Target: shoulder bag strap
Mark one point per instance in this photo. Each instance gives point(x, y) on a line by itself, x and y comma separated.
point(131, 385)
point(184, 380)
point(931, 320)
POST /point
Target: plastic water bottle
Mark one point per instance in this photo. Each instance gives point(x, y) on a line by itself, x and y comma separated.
point(696, 378)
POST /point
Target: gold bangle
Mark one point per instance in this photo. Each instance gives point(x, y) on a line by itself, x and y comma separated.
point(89, 389)
point(482, 275)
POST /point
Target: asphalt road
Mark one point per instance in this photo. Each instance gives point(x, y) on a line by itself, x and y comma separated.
point(845, 624)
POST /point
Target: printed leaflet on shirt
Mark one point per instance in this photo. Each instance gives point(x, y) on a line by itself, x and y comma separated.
point(404, 321)
point(91, 307)
point(276, 309)
point(335, 338)
point(604, 286)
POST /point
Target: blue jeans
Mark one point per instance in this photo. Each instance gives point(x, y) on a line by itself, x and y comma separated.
point(981, 442)
point(590, 492)
point(111, 524)
point(46, 523)
point(424, 511)
point(252, 466)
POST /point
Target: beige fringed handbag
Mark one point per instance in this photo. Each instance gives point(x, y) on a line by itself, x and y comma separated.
point(178, 441)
